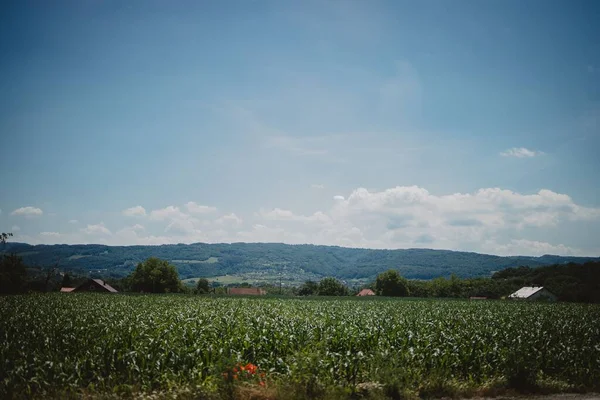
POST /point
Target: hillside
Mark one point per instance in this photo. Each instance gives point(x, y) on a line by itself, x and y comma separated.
point(294, 262)
point(570, 282)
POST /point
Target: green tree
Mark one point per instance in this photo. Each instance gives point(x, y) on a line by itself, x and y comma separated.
point(4, 237)
point(220, 290)
point(13, 274)
point(155, 276)
point(202, 286)
point(66, 281)
point(309, 288)
point(390, 283)
point(332, 287)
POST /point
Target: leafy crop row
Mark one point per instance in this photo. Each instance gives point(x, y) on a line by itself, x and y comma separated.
point(52, 343)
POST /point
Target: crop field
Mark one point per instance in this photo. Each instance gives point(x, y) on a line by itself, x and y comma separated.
point(58, 345)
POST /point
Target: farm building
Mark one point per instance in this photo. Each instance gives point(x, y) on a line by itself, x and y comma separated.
point(66, 289)
point(532, 293)
point(94, 285)
point(246, 291)
point(366, 292)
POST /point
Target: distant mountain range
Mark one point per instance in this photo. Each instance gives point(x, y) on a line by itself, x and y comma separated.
point(274, 260)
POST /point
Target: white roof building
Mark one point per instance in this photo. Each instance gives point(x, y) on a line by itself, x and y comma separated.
point(533, 293)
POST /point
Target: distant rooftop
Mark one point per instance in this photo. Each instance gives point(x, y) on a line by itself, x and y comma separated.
point(526, 292)
point(105, 285)
point(366, 292)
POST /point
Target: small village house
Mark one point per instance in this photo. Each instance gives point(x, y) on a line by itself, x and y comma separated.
point(91, 285)
point(533, 293)
point(366, 292)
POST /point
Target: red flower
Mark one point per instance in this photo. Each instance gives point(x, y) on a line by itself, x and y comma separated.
point(247, 372)
point(251, 368)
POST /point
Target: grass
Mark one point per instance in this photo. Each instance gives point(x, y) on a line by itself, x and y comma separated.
point(253, 279)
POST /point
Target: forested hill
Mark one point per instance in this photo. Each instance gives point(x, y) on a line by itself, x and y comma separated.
point(271, 259)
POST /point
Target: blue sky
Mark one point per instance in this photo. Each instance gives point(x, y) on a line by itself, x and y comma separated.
point(464, 125)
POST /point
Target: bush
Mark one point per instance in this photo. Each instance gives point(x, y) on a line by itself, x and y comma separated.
point(332, 287)
point(156, 276)
point(390, 283)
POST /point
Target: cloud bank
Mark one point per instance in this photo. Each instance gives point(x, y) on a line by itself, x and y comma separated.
point(489, 220)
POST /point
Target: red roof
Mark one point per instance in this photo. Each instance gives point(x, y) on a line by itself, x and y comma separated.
point(244, 291)
point(366, 292)
point(67, 289)
point(95, 285)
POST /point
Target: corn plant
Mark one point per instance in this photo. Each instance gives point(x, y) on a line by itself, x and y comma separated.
point(70, 342)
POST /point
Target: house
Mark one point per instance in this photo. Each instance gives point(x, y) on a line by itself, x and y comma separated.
point(246, 291)
point(66, 289)
point(366, 292)
point(95, 285)
point(533, 293)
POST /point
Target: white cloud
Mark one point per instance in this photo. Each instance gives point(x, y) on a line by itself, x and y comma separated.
point(169, 212)
point(520, 152)
point(230, 219)
point(50, 234)
point(197, 209)
point(15, 228)
point(263, 233)
point(137, 211)
point(28, 211)
point(278, 214)
point(492, 207)
point(180, 224)
point(138, 227)
point(491, 220)
point(133, 229)
point(131, 236)
point(73, 221)
point(317, 186)
point(181, 227)
point(410, 216)
point(98, 229)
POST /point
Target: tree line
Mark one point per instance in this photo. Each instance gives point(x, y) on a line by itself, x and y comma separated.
point(569, 282)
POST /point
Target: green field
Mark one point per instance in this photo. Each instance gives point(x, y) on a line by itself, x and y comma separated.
point(210, 260)
point(61, 344)
point(256, 279)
